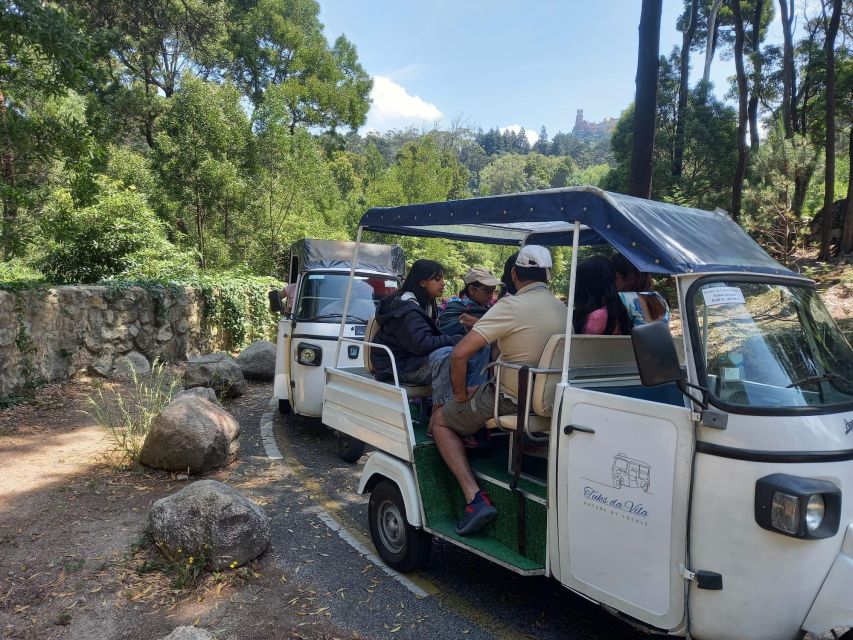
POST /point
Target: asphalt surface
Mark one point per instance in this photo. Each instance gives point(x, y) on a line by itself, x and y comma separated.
point(321, 538)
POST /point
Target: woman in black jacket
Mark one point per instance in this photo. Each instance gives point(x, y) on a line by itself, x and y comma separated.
point(407, 321)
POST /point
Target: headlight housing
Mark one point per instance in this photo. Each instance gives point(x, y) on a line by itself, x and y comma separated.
point(797, 507)
point(308, 354)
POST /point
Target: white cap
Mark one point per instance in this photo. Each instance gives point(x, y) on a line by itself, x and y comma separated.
point(536, 256)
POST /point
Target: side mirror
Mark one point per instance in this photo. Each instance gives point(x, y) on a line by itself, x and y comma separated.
point(276, 305)
point(655, 352)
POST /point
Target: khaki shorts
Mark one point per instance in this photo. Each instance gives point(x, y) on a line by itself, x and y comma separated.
point(468, 417)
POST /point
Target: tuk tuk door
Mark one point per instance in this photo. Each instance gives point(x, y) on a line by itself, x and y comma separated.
point(622, 491)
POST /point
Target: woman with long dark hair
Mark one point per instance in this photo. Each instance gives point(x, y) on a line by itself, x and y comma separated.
point(407, 321)
point(598, 309)
point(637, 293)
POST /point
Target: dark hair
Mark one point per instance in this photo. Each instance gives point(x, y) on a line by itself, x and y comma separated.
point(506, 277)
point(594, 288)
point(626, 269)
point(531, 274)
point(421, 270)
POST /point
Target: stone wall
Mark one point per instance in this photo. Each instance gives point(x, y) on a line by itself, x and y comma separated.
point(52, 334)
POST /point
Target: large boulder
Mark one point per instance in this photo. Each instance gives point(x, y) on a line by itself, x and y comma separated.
point(198, 392)
point(218, 371)
point(129, 366)
point(191, 434)
point(257, 361)
point(212, 522)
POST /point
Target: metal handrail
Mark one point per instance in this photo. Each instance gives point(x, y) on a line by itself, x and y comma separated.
point(527, 406)
point(372, 345)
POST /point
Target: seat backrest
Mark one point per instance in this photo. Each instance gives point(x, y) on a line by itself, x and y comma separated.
point(545, 384)
point(370, 332)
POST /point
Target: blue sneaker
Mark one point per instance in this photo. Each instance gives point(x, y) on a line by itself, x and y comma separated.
point(478, 513)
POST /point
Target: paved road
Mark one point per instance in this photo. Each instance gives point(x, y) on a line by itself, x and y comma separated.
point(459, 595)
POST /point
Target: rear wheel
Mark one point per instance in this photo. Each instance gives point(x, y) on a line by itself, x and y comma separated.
point(350, 449)
point(284, 407)
point(400, 545)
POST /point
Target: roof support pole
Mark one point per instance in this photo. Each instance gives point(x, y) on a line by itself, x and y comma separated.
point(348, 294)
point(571, 304)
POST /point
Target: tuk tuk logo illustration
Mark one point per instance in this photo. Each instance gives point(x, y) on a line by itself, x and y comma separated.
point(848, 426)
point(630, 472)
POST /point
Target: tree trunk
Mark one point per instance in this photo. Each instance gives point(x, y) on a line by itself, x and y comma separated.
point(689, 27)
point(829, 176)
point(752, 106)
point(710, 41)
point(742, 151)
point(645, 107)
point(846, 245)
point(787, 9)
point(10, 205)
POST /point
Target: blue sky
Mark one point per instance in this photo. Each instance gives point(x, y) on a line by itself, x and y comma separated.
point(500, 63)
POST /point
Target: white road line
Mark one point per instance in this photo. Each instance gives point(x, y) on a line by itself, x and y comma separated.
point(273, 453)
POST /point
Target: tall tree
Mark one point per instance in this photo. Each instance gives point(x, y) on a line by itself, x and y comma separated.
point(786, 8)
point(711, 38)
point(279, 45)
point(755, 75)
point(742, 150)
point(829, 176)
point(688, 29)
point(640, 181)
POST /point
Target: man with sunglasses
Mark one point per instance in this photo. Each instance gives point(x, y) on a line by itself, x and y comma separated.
point(462, 311)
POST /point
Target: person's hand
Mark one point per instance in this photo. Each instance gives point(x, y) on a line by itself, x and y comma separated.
point(467, 320)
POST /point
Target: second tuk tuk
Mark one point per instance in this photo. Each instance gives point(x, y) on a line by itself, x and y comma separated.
point(694, 486)
point(313, 318)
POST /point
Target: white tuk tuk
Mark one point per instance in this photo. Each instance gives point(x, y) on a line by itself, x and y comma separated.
point(312, 319)
point(694, 486)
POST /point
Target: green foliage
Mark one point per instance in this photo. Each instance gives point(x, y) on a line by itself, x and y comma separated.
point(238, 303)
point(127, 416)
point(16, 274)
point(114, 236)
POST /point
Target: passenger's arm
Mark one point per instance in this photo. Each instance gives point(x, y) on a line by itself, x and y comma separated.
point(417, 338)
point(467, 347)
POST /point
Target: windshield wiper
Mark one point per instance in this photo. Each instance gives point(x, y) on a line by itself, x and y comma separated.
point(328, 316)
point(820, 378)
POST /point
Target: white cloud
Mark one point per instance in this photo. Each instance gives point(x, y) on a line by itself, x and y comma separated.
point(393, 105)
point(532, 135)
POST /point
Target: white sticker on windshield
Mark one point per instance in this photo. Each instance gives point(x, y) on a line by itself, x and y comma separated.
point(722, 295)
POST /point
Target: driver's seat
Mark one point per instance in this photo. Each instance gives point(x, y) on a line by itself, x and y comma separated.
point(370, 331)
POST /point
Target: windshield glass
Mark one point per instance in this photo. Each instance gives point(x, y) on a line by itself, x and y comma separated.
point(321, 297)
point(771, 346)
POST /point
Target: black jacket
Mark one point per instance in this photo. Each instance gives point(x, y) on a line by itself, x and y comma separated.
point(410, 334)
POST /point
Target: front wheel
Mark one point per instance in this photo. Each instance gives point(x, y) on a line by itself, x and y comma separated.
point(284, 407)
point(350, 449)
point(400, 545)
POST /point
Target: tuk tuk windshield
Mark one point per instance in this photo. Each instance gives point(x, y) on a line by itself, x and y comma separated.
point(321, 297)
point(771, 348)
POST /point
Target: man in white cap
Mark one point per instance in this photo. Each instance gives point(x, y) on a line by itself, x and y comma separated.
point(521, 325)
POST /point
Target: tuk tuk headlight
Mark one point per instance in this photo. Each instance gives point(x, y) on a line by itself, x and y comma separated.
point(797, 507)
point(309, 354)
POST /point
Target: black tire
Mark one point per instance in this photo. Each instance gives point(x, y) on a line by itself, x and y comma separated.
point(350, 449)
point(400, 545)
point(284, 407)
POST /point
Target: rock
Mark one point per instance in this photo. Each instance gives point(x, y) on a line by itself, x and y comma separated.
point(257, 361)
point(212, 522)
point(102, 366)
point(218, 371)
point(164, 334)
point(192, 435)
point(198, 392)
point(189, 633)
point(129, 364)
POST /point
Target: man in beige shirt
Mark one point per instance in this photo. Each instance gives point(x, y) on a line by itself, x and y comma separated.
point(521, 325)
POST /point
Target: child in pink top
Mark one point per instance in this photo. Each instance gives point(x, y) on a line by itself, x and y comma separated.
point(598, 309)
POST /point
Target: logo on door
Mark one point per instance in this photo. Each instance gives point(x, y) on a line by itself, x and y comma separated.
point(848, 427)
point(630, 472)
